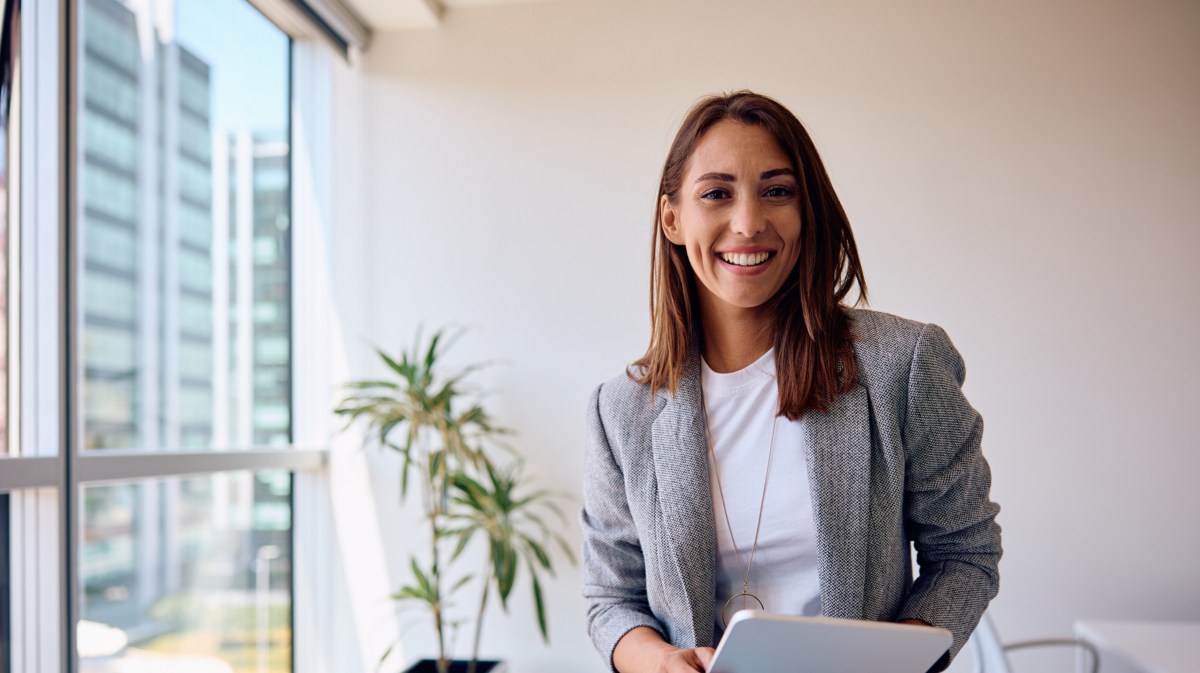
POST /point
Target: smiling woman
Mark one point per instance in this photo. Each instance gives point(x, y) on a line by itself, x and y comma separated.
point(747, 172)
point(775, 448)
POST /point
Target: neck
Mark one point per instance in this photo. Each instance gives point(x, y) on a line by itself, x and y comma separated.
point(734, 337)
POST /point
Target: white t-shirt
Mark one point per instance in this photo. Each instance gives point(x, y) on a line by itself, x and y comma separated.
point(741, 407)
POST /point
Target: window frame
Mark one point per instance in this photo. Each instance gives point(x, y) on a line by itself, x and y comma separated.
point(35, 469)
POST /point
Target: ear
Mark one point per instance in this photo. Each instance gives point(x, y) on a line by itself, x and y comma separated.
point(669, 221)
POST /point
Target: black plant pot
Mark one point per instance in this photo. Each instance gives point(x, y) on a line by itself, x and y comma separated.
point(458, 666)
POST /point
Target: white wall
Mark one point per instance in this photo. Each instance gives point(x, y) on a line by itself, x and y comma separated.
point(1024, 174)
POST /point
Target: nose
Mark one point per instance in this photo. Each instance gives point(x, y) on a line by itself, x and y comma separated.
point(747, 218)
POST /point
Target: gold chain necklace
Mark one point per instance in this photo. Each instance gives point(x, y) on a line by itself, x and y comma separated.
point(745, 595)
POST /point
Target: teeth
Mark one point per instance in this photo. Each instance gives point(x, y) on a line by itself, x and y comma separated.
point(745, 259)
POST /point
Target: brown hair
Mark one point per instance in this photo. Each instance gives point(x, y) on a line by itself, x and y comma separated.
point(813, 356)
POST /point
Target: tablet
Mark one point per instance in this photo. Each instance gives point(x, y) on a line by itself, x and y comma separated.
point(758, 641)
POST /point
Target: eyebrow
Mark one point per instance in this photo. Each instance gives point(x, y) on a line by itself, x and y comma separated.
point(726, 177)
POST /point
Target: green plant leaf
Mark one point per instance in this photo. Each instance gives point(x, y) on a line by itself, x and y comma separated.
point(423, 581)
point(539, 605)
point(432, 353)
point(386, 654)
point(436, 459)
point(506, 572)
point(553, 507)
point(539, 554)
point(385, 429)
point(404, 473)
point(403, 369)
point(463, 538)
point(351, 408)
point(409, 593)
point(566, 548)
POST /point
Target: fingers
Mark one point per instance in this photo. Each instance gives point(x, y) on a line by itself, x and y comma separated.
point(687, 661)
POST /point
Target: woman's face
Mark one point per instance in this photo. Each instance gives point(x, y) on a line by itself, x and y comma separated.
point(738, 217)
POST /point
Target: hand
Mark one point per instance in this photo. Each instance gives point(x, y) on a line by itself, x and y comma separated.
point(643, 650)
point(686, 661)
point(916, 622)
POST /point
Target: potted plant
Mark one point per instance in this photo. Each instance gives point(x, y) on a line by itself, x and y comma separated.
point(449, 444)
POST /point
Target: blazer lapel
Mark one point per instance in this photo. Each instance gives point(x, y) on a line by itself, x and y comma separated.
point(685, 499)
point(839, 470)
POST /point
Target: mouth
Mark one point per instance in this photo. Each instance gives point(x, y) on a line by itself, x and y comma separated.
point(746, 259)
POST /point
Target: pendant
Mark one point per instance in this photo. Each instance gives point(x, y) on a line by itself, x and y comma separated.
point(747, 598)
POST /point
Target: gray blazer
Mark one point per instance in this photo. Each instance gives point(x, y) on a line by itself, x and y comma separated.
point(895, 460)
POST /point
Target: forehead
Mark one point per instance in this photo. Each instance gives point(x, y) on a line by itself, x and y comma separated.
point(730, 146)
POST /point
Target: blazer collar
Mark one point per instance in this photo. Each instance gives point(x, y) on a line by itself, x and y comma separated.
point(838, 449)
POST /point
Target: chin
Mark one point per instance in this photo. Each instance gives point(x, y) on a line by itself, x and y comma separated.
point(748, 303)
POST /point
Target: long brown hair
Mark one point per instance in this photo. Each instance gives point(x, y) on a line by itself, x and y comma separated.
point(813, 356)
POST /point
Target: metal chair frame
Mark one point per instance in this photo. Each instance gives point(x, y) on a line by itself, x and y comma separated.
point(982, 661)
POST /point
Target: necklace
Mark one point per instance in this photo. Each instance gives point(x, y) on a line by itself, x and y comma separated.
point(745, 595)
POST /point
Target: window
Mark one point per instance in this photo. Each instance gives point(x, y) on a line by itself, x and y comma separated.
point(185, 162)
point(185, 165)
point(153, 525)
point(186, 571)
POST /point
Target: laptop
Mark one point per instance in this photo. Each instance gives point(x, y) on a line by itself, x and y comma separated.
point(759, 642)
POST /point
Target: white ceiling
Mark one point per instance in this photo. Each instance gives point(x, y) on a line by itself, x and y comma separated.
point(400, 14)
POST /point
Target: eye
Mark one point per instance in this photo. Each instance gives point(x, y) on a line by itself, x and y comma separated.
point(778, 192)
point(714, 194)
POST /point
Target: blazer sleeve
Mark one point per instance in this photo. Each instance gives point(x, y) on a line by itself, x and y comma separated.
point(614, 574)
point(948, 511)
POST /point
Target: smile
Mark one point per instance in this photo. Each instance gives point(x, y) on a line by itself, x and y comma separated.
point(744, 258)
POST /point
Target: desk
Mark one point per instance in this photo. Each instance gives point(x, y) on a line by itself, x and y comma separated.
point(1143, 647)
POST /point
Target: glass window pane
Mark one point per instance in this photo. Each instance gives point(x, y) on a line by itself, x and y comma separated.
point(188, 574)
point(184, 283)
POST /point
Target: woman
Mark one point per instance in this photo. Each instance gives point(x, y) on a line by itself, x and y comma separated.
point(774, 447)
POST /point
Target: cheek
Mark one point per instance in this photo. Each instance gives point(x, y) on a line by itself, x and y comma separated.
point(697, 240)
point(696, 256)
point(792, 236)
point(793, 256)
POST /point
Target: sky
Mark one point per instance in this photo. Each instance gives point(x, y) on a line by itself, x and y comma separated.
point(249, 60)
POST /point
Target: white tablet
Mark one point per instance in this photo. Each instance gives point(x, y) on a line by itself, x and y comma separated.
point(758, 641)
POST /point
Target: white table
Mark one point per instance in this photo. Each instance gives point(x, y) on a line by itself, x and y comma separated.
point(1142, 646)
